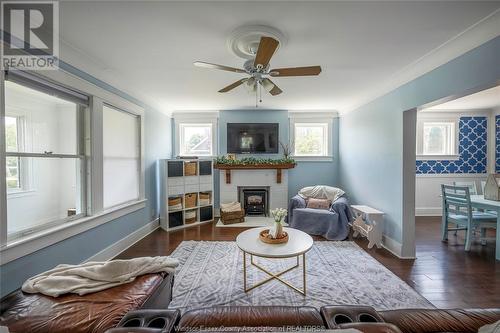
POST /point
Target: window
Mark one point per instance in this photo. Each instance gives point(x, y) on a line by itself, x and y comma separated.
point(196, 139)
point(44, 140)
point(437, 138)
point(121, 157)
point(73, 161)
point(311, 135)
point(311, 139)
point(195, 134)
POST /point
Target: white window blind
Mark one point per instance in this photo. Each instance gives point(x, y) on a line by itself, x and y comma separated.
point(121, 157)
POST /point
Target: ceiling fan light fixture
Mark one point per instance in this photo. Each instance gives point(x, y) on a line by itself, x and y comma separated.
point(251, 84)
point(268, 85)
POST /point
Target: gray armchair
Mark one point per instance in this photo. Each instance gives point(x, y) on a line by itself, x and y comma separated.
point(333, 223)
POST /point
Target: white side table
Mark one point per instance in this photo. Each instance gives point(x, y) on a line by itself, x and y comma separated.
point(298, 244)
point(369, 223)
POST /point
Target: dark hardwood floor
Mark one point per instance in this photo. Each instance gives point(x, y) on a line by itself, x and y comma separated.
point(443, 272)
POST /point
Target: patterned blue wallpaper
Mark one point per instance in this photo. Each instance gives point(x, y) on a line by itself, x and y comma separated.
point(472, 138)
point(497, 143)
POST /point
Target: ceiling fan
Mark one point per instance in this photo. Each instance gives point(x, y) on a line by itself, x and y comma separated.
point(258, 69)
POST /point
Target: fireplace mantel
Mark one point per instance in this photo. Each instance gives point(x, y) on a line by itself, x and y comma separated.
point(277, 167)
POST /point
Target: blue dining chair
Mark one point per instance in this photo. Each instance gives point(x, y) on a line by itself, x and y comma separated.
point(471, 185)
point(457, 209)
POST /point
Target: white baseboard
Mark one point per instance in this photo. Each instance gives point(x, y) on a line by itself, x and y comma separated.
point(116, 248)
point(393, 246)
point(428, 211)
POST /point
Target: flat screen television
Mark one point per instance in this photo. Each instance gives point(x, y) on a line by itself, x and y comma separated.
point(252, 138)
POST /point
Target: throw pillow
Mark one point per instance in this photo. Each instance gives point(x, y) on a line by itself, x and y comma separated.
point(318, 203)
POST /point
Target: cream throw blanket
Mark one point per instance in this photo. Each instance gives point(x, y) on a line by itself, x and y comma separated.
point(321, 192)
point(95, 276)
point(230, 207)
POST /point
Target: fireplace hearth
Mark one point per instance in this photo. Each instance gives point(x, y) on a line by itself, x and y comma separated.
point(254, 199)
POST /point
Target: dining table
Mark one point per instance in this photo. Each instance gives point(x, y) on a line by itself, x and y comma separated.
point(478, 201)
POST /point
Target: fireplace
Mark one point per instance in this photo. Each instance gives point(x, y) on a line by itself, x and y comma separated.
point(254, 199)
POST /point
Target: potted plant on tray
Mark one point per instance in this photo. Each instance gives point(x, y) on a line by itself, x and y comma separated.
point(275, 235)
point(278, 215)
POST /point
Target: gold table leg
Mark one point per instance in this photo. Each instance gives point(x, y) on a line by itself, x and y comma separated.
point(273, 276)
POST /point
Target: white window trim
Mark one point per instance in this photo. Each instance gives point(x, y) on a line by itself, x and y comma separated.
point(96, 216)
point(196, 118)
point(313, 118)
point(437, 117)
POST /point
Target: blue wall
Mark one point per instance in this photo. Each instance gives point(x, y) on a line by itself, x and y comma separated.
point(371, 137)
point(472, 138)
point(82, 246)
point(305, 173)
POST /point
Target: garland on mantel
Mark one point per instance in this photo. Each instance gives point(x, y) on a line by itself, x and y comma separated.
point(223, 160)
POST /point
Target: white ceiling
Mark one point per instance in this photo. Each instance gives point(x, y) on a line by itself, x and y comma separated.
point(147, 48)
point(486, 99)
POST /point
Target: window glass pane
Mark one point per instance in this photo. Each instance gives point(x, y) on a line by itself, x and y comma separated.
point(55, 194)
point(196, 139)
point(311, 140)
point(121, 150)
point(44, 122)
point(11, 140)
point(438, 138)
point(13, 173)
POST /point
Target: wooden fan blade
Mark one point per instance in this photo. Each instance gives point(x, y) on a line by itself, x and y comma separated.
point(215, 66)
point(267, 47)
point(296, 71)
point(233, 85)
point(271, 87)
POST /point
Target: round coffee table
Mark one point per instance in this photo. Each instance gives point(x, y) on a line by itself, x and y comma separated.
point(298, 244)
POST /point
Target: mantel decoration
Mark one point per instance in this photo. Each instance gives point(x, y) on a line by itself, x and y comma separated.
point(287, 149)
point(227, 163)
point(253, 161)
point(275, 235)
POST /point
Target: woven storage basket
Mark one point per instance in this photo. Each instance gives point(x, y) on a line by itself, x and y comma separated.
point(190, 200)
point(175, 203)
point(190, 216)
point(232, 217)
point(190, 168)
point(204, 199)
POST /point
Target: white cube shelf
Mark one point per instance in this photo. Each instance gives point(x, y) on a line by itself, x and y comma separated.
point(174, 184)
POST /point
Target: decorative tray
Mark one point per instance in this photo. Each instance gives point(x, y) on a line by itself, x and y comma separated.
point(266, 238)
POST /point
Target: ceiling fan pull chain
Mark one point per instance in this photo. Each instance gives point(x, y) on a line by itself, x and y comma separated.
point(256, 98)
point(260, 92)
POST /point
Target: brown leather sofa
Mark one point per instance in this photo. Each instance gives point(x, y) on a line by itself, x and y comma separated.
point(289, 318)
point(130, 308)
point(96, 312)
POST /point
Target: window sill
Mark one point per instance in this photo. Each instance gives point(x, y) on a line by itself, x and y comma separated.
point(199, 157)
point(21, 247)
point(438, 157)
point(20, 194)
point(313, 158)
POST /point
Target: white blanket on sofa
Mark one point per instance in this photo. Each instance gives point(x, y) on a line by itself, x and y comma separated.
point(95, 276)
point(321, 192)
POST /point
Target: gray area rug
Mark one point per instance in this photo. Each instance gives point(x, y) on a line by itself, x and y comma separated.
point(211, 273)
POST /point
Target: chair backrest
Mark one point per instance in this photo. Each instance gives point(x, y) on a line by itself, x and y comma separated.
point(483, 185)
point(471, 185)
point(456, 200)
